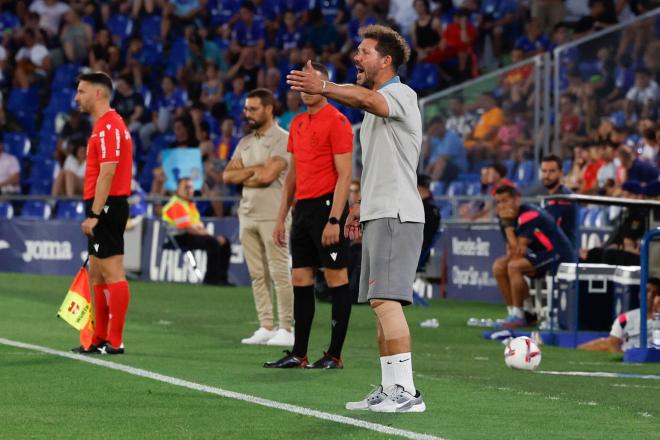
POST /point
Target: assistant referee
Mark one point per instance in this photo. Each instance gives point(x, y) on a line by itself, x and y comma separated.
point(107, 186)
point(321, 143)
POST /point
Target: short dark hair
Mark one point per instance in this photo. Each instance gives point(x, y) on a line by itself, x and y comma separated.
point(265, 96)
point(507, 189)
point(319, 67)
point(655, 281)
point(500, 168)
point(97, 78)
point(553, 158)
point(388, 42)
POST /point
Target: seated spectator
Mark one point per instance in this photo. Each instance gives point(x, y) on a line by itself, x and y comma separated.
point(624, 334)
point(497, 20)
point(533, 42)
point(293, 108)
point(509, 136)
point(518, 83)
point(570, 123)
point(32, 59)
point(69, 181)
point(601, 15)
point(212, 88)
point(642, 99)
point(609, 174)
point(426, 30)
point(649, 146)
point(235, 98)
point(50, 14)
point(574, 180)
point(636, 169)
point(291, 35)
point(183, 218)
point(128, 103)
point(105, 50)
point(248, 31)
point(76, 37)
point(481, 141)
point(163, 110)
point(590, 171)
point(535, 245)
point(459, 121)
point(446, 155)
point(10, 172)
point(76, 130)
point(478, 210)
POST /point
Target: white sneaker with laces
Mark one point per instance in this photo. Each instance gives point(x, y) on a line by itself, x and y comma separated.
point(282, 337)
point(373, 398)
point(400, 400)
point(261, 336)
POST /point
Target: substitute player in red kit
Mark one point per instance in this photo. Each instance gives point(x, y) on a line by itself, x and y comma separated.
point(106, 189)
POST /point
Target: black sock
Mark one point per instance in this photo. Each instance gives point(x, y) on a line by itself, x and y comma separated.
point(303, 315)
point(341, 313)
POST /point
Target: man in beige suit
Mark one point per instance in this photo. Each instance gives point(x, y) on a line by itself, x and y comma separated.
point(259, 164)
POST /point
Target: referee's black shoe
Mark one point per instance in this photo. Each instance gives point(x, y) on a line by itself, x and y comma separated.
point(93, 349)
point(327, 362)
point(106, 348)
point(288, 361)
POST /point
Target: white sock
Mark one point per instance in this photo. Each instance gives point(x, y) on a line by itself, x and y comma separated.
point(518, 312)
point(509, 310)
point(397, 370)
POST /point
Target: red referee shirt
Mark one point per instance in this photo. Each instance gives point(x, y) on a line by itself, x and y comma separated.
point(110, 142)
point(313, 141)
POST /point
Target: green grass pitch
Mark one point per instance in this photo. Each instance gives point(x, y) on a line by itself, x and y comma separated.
point(193, 333)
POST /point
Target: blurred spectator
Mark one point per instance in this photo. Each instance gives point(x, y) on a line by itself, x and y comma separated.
point(497, 21)
point(590, 171)
point(291, 35)
point(446, 156)
point(570, 123)
point(477, 210)
point(163, 110)
point(481, 141)
point(497, 177)
point(76, 130)
point(609, 174)
point(637, 170)
point(69, 181)
point(547, 13)
point(426, 30)
point(128, 103)
point(10, 171)
point(361, 16)
point(518, 83)
point(510, 141)
point(642, 99)
point(247, 68)
point(212, 88)
point(247, 31)
point(293, 108)
point(533, 41)
point(574, 177)
point(104, 50)
point(31, 58)
point(649, 146)
point(321, 35)
point(459, 121)
point(601, 14)
point(50, 14)
point(76, 38)
point(235, 98)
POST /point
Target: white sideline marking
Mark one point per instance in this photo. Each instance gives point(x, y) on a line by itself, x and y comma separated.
point(225, 393)
point(601, 374)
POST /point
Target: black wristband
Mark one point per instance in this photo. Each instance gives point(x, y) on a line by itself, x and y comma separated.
point(92, 214)
point(333, 220)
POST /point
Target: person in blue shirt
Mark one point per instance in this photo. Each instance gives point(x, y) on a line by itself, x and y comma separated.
point(564, 212)
point(535, 245)
point(163, 110)
point(248, 31)
point(533, 41)
point(636, 169)
point(291, 35)
point(447, 157)
point(497, 20)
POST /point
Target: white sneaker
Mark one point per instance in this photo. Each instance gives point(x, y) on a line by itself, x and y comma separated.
point(400, 400)
point(261, 336)
point(282, 337)
point(373, 398)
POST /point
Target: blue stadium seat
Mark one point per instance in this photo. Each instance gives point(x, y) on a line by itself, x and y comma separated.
point(65, 76)
point(456, 189)
point(425, 77)
point(525, 173)
point(510, 168)
point(468, 177)
point(36, 209)
point(23, 104)
point(17, 144)
point(150, 28)
point(6, 210)
point(61, 101)
point(445, 211)
point(70, 209)
point(472, 188)
point(41, 176)
point(120, 25)
point(46, 147)
point(567, 165)
point(438, 188)
point(177, 57)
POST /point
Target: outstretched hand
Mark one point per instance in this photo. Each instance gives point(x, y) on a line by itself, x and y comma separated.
point(306, 81)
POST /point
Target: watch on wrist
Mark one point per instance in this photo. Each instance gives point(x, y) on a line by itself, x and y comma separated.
point(92, 214)
point(333, 220)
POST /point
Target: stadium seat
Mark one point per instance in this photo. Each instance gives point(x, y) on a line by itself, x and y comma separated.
point(65, 76)
point(446, 211)
point(583, 214)
point(36, 209)
point(150, 28)
point(456, 189)
point(70, 209)
point(438, 188)
point(468, 177)
point(42, 176)
point(525, 173)
point(46, 147)
point(61, 101)
point(425, 77)
point(23, 104)
point(510, 168)
point(120, 25)
point(17, 144)
point(566, 166)
point(472, 188)
point(6, 210)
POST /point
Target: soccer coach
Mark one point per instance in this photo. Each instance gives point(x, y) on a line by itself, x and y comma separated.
point(391, 213)
point(107, 186)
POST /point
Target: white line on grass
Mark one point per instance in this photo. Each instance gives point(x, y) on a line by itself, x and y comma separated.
point(225, 393)
point(601, 374)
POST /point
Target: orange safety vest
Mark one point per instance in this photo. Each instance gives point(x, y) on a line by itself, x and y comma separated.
point(180, 213)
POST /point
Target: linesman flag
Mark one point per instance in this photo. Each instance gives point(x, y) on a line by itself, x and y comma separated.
point(76, 309)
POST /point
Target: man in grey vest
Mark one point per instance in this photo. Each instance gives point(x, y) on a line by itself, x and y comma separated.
point(391, 216)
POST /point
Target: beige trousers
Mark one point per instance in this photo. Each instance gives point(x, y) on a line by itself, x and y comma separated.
point(268, 265)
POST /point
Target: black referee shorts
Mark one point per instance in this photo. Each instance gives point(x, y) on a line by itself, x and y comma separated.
point(309, 219)
point(108, 239)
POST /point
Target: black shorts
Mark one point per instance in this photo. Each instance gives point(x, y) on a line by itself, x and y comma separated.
point(309, 219)
point(543, 261)
point(108, 239)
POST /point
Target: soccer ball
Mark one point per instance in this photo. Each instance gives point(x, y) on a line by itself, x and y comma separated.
point(522, 353)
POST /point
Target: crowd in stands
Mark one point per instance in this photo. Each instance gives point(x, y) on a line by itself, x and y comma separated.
point(182, 69)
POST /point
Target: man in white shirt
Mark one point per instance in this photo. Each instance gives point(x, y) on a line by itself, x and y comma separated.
point(50, 13)
point(10, 172)
point(625, 328)
point(641, 99)
point(34, 53)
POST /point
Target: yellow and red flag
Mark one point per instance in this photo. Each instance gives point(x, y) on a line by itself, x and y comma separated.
point(76, 309)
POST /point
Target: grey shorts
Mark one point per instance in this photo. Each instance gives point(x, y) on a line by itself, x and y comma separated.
point(390, 253)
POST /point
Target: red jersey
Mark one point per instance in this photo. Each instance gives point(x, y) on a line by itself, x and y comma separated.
point(110, 142)
point(313, 141)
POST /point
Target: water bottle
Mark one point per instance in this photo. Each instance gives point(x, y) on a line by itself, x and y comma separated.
point(656, 331)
